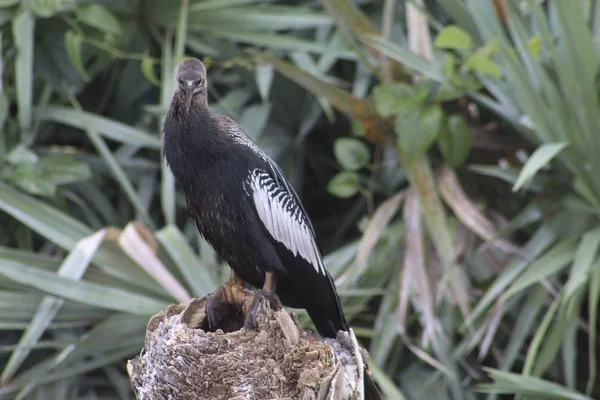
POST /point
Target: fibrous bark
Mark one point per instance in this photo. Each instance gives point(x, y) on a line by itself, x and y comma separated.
point(183, 360)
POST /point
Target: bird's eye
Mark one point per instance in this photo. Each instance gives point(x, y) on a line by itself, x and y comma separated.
point(198, 86)
point(186, 83)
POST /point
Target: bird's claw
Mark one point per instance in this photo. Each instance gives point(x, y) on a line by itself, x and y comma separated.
point(253, 308)
point(233, 306)
point(226, 306)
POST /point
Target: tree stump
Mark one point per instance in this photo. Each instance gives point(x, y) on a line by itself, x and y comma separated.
point(182, 360)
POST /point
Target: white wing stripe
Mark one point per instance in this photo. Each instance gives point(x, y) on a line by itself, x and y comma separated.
point(267, 212)
point(276, 206)
point(282, 218)
point(295, 239)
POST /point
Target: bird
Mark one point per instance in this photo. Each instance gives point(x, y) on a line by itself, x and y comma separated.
point(243, 205)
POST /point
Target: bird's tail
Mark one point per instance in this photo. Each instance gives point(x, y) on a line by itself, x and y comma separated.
point(327, 322)
point(371, 391)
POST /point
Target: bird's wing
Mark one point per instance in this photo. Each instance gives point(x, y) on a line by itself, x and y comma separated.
point(276, 202)
point(282, 214)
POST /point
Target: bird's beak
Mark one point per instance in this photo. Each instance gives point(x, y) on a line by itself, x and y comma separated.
point(188, 88)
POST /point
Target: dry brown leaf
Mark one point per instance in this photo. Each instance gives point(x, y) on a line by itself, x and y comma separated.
point(415, 272)
point(466, 211)
point(134, 242)
point(382, 217)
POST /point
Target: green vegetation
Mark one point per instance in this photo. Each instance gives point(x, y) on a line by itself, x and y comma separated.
point(446, 151)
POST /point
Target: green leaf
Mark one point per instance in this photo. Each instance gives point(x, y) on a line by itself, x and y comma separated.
point(107, 127)
point(42, 177)
point(147, 66)
point(455, 141)
point(22, 155)
point(65, 230)
point(449, 64)
point(535, 346)
point(84, 292)
point(541, 157)
point(266, 17)
point(512, 383)
point(388, 386)
point(454, 37)
point(348, 14)
point(525, 321)
point(407, 128)
point(73, 42)
point(404, 56)
point(31, 179)
point(4, 104)
point(73, 267)
point(197, 275)
point(23, 33)
point(264, 74)
point(352, 154)
point(8, 3)
point(62, 169)
point(113, 164)
point(553, 339)
point(393, 97)
point(99, 17)
point(550, 263)
point(345, 184)
point(167, 184)
point(593, 301)
point(44, 8)
point(281, 42)
point(481, 61)
point(182, 29)
point(104, 333)
point(417, 129)
point(338, 97)
point(534, 45)
point(583, 265)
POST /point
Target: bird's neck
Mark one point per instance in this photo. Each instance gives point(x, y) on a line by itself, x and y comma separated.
point(192, 135)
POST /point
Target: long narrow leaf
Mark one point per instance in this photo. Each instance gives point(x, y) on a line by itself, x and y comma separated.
point(66, 231)
point(340, 98)
point(551, 262)
point(388, 387)
point(84, 292)
point(73, 267)
point(594, 300)
point(167, 184)
point(540, 158)
point(23, 31)
point(106, 127)
point(511, 383)
point(539, 242)
point(197, 275)
point(382, 217)
point(583, 265)
point(114, 166)
point(404, 56)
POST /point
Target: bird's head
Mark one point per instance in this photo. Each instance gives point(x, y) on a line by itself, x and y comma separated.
point(191, 76)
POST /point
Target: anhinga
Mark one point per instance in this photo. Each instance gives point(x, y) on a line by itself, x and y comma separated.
point(244, 206)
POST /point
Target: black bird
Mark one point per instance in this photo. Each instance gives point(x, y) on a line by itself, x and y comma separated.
point(244, 206)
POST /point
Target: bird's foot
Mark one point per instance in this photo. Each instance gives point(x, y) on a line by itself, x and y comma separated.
point(233, 306)
point(226, 307)
point(254, 309)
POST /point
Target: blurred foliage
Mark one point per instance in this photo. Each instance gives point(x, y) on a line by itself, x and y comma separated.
point(445, 150)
